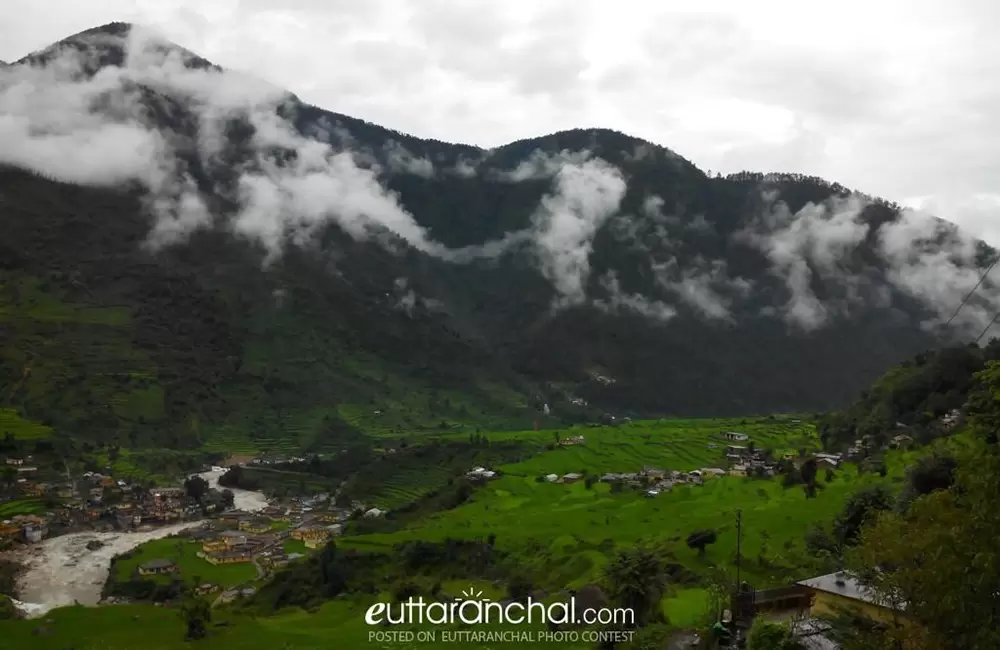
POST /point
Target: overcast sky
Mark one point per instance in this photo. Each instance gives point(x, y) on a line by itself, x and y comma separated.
point(899, 98)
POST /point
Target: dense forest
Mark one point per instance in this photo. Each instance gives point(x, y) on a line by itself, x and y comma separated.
point(676, 304)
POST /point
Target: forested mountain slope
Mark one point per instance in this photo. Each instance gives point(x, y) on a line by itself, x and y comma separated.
point(192, 256)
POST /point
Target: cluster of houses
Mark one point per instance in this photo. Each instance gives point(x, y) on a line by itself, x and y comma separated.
point(277, 460)
point(94, 501)
point(741, 460)
point(238, 537)
point(867, 445)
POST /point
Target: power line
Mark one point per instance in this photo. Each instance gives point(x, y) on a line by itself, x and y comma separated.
point(970, 294)
point(995, 317)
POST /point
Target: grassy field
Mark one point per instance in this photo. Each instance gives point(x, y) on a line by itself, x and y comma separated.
point(193, 569)
point(339, 624)
point(21, 507)
point(21, 429)
point(561, 535)
point(667, 444)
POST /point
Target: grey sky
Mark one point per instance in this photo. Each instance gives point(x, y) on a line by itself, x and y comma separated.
point(899, 98)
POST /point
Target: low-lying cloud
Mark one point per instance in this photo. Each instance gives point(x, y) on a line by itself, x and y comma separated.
point(540, 165)
point(62, 120)
point(919, 256)
point(587, 194)
point(618, 301)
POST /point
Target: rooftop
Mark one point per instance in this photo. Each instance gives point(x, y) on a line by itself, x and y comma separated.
point(158, 563)
point(842, 584)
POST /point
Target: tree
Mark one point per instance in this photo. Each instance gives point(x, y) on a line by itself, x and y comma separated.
point(196, 487)
point(861, 506)
point(792, 476)
point(197, 615)
point(520, 587)
point(940, 557)
point(765, 635)
point(8, 475)
point(931, 473)
point(984, 403)
point(636, 580)
point(699, 539)
point(228, 499)
point(808, 473)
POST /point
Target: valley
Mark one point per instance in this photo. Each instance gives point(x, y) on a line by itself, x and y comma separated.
point(269, 372)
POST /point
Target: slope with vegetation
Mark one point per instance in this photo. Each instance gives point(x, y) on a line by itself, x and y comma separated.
point(202, 344)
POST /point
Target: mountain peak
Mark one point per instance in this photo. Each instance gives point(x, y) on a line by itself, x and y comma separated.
point(106, 45)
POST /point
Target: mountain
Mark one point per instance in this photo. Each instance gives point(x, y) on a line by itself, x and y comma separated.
point(194, 257)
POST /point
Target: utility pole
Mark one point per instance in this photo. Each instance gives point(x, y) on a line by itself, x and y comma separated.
point(739, 548)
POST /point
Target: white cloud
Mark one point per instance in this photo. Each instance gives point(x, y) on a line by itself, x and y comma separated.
point(704, 286)
point(820, 237)
point(585, 196)
point(540, 165)
point(618, 301)
point(893, 117)
point(936, 264)
point(401, 160)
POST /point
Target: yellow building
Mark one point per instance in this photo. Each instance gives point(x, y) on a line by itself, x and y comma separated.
point(214, 545)
point(316, 541)
point(254, 525)
point(836, 593)
point(313, 537)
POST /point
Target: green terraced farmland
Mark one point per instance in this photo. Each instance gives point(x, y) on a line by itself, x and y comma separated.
point(21, 429)
point(667, 444)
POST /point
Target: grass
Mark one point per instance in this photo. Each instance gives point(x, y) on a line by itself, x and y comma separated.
point(686, 608)
point(667, 444)
point(338, 624)
point(21, 507)
point(564, 532)
point(183, 553)
point(21, 429)
point(561, 536)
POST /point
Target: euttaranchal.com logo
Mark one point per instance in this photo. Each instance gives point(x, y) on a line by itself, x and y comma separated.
point(473, 610)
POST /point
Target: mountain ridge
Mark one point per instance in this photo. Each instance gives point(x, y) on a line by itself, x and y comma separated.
point(301, 270)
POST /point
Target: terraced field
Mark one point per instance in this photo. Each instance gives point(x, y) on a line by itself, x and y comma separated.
point(408, 485)
point(21, 507)
point(667, 444)
point(21, 429)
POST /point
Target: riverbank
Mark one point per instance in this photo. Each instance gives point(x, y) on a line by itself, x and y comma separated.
point(247, 500)
point(61, 571)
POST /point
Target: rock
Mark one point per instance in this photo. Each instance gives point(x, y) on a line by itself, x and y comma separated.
point(94, 544)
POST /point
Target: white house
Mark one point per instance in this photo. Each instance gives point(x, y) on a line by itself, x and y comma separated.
point(735, 435)
point(552, 478)
point(373, 513)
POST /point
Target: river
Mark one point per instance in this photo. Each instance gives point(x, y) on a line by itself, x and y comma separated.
point(61, 570)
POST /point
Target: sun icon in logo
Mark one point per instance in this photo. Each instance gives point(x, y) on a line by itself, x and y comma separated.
point(471, 593)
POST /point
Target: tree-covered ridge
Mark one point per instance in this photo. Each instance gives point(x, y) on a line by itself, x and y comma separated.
point(229, 339)
point(912, 398)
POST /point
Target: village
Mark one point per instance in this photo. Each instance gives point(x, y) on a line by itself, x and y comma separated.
point(96, 502)
point(741, 460)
